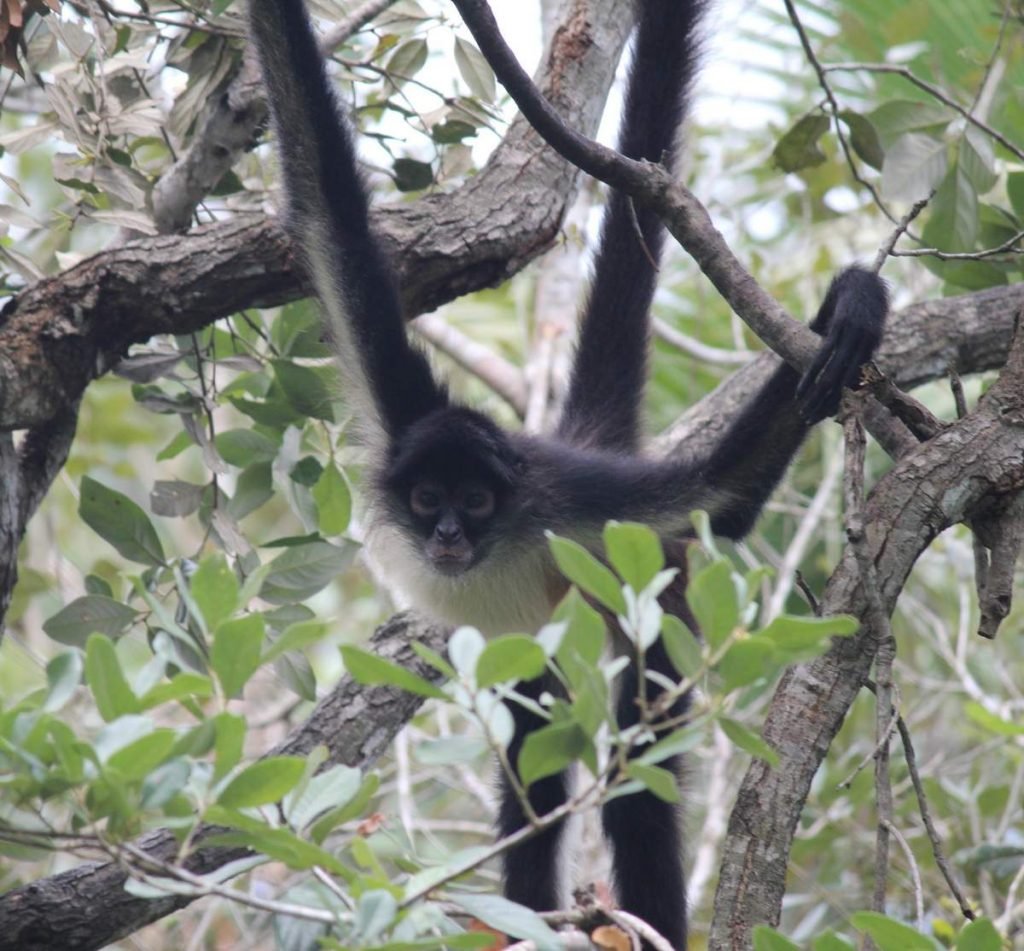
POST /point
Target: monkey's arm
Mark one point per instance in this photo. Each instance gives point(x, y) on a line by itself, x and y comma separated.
point(388, 380)
point(756, 450)
point(734, 481)
point(602, 407)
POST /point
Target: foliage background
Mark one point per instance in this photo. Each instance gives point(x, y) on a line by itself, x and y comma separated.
point(81, 153)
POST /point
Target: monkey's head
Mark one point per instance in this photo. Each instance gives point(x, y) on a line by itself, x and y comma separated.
point(450, 484)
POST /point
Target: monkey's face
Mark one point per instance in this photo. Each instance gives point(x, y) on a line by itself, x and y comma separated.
point(453, 517)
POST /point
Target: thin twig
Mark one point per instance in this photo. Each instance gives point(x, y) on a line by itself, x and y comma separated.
point(1007, 245)
point(890, 243)
point(698, 349)
point(632, 923)
point(494, 371)
point(199, 886)
point(805, 589)
point(910, 755)
point(915, 873)
point(883, 740)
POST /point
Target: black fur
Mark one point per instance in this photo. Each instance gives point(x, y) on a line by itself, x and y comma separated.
point(591, 470)
point(615, 321)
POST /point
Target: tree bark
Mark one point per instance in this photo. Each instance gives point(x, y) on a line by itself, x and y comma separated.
point(975, 461)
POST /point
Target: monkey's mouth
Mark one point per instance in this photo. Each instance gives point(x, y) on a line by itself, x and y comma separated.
point(450, 559)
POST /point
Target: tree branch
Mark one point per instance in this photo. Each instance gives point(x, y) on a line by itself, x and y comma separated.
point(976, 460)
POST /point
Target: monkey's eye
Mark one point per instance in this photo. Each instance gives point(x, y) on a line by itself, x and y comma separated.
point(479, 503)
point(425, 500)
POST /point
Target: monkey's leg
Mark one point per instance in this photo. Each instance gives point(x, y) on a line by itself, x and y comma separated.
point(646, 832)
point(533, 869)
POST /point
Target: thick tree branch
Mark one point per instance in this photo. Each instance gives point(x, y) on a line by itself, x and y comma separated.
point(977, 460)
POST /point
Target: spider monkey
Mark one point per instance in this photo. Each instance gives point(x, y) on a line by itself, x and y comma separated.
point(459, 506)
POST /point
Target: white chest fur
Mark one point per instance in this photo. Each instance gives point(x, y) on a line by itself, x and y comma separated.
point(511, 590)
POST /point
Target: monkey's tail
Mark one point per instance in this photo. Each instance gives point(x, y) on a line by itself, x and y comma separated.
point(602, 407)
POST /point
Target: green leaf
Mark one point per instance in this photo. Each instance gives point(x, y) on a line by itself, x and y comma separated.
point(711, 595)
point(354, 808)
point(181, 686)
point(333, 501)
point(263, 782)
point(243, 447)
point(114, 697)
point(464, 649)
point(992, 721)
point(294, 637)
point(410, 175)
point(953, 221)
point(452, 131)
point(119, 521)
point(308, 389)
point(165, 782)
point(977, 159)
point(830, 941)
point(914, 165)
point(747, 660)
point(235, 655)
point(979, 935)
point(306, 471)
point(1015, 190)
point(63, 675)
point(768, 939)
point(375, 911)
point(283, 845)
point(683, 649)
point(512, 657)
point(587, 573)
point(898, 116)
point(253, 487)
point(586, 631)
point(678, 741)
point(435, 660)
point(801, 638)
point(634, 552)
point(89, 614)
point(215, 590)
point(136, 760)
point(331, 789)
point(749, 742)
point(368, 668)
point(890, 935)
point(798, 148)
point(175, 499)
point(447, 750)
point(864, 138)
point(661, 782)
point(303, 570)
point(509, 918)
point(407, 60)
point(227, 745)
point(475, 70)
point(549, 750)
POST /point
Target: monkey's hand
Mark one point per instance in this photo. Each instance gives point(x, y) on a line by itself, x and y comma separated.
point(851, 321)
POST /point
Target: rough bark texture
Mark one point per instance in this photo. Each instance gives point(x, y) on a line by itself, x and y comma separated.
point(87, 907)
point(979, 459)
